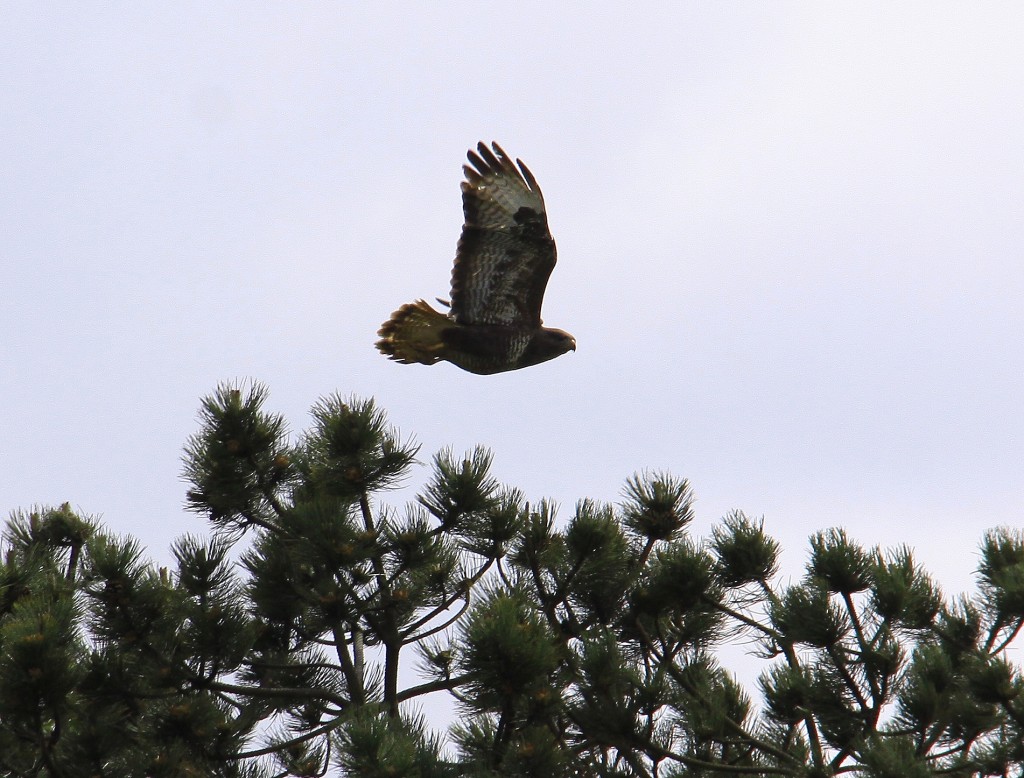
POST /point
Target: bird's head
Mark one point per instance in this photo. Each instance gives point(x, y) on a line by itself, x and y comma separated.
point(559, 341)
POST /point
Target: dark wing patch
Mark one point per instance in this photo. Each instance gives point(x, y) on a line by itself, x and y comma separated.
point(506, 254)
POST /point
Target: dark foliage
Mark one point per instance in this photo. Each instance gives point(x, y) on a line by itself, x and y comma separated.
point(578, 648)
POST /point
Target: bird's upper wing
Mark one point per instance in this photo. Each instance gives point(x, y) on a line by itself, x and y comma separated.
point(506, 253)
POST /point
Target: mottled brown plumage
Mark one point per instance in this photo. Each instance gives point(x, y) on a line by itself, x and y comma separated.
point(502, 265)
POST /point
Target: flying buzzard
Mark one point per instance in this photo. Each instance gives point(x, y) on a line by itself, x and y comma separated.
point(502, 265)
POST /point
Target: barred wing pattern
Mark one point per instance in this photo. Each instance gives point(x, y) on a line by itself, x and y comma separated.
point(505, 255)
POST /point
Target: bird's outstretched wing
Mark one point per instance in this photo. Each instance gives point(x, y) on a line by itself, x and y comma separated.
point(505, 255)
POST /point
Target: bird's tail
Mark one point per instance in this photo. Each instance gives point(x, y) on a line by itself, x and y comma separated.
point(413, 334)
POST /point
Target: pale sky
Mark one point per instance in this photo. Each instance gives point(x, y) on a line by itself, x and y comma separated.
point(790, 248)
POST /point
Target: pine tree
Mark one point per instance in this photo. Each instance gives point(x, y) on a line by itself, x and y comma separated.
point(282, 641)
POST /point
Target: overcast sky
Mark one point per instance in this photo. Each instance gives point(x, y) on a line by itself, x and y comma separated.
point(790, 247)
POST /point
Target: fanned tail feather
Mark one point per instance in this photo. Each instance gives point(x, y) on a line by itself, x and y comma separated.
point(413, 334)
